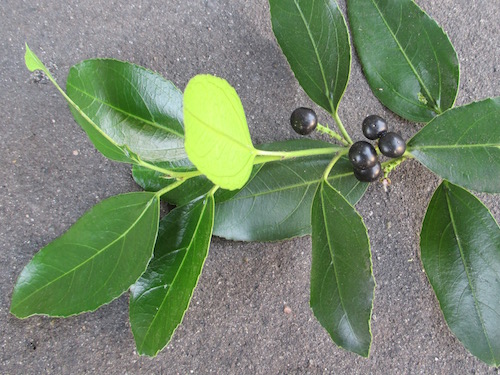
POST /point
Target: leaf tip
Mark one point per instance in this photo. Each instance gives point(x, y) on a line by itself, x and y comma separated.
point(30, 59)
point(18, 312)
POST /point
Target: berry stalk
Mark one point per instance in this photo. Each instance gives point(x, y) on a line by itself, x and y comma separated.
point(326, 130)
point(390, 165)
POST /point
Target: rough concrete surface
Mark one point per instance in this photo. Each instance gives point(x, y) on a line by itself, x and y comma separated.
point(51, 174)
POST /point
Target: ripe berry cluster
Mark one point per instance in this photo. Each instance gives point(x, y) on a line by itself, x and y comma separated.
point(363, 155)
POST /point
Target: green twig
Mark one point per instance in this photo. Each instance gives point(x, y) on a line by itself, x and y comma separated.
point(266, 156)
point(262, 157)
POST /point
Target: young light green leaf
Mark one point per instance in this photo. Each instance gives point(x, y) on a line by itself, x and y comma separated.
point(342, 283)
point(314, 39)
point(161, 296)
point(463, 145)
point(132, 106)
point(460, 249)
point(94, 262)
point(276, 203)
point(408, 60)
point(217, 138)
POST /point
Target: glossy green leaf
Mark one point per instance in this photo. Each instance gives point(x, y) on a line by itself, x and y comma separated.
point(217, 137)
point(161, 296)
point(463, 146)
point(408, 60)
point(102, 141)
point(133, 106)
point(128, 112)
point(460, 249)
point(94, 262)
point(342, 283)
point(314, 39)
point(276, 203)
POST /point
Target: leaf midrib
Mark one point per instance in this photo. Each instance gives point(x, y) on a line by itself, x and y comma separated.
point(102, 102)
point(333, 258)
point(188, 247)
point(93, 256)
point(245, 146)
point(318, 58)
point(462, 257)
point(457, 146)
point(410, 64)
point(431, 134)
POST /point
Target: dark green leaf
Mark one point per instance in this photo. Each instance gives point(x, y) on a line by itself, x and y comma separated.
point(132, 106)
point(408, 60)
point(94, 262)
point(460, 246)
point(313, 37)
point(463, 146)
point(102, 141)
point(161, 296)
point(342, 283)
point(276, 203)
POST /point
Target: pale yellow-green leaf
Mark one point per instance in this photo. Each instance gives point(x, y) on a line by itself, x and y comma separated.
point(33, 62)
point(217, 139)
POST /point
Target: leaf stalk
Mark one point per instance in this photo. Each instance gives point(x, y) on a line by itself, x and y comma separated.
point(333, 161)
point(390, 165)
point(170, 187)
point(338, 121)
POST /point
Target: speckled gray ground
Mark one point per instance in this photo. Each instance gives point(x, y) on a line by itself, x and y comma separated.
point(51, 175)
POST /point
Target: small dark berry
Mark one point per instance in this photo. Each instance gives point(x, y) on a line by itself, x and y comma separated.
point(374, 127)
point(303, 120)
point(392, 145)
point(369, 174)
point(362, 155)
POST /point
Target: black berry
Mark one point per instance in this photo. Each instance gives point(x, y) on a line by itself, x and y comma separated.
point(369, 174)
point(374, 127)
point(362, 155)
point(392, 145)
point(303, 120)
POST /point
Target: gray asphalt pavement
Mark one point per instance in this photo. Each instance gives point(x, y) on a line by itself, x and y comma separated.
point(237, 323)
